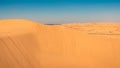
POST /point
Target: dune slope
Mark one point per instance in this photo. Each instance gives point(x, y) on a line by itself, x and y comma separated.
point(26, 44)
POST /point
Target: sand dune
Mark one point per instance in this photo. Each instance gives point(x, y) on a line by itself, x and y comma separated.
point(27, 44)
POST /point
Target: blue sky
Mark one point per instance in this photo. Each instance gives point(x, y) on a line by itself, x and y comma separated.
point(61, 11)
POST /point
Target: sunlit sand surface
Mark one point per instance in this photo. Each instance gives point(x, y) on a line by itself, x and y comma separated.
point(27, 44)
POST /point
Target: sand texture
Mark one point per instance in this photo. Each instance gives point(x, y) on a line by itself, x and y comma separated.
point(27, 44)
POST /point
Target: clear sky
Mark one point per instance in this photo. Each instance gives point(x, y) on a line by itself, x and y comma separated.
point(61, 11)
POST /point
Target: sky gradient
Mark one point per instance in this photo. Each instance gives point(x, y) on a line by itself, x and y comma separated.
point(61, 11)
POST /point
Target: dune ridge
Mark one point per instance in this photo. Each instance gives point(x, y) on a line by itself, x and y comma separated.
point(27, 44)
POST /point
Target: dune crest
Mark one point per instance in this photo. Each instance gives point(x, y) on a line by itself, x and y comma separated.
point(27, 44)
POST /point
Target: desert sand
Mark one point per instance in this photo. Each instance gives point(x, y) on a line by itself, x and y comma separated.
point(27, 44)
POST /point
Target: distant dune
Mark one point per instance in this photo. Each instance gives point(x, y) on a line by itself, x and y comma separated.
point(27, 44)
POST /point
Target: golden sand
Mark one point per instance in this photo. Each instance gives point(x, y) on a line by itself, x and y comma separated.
point(27, 44)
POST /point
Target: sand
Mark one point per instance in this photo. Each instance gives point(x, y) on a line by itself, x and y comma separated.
point(27, 44)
